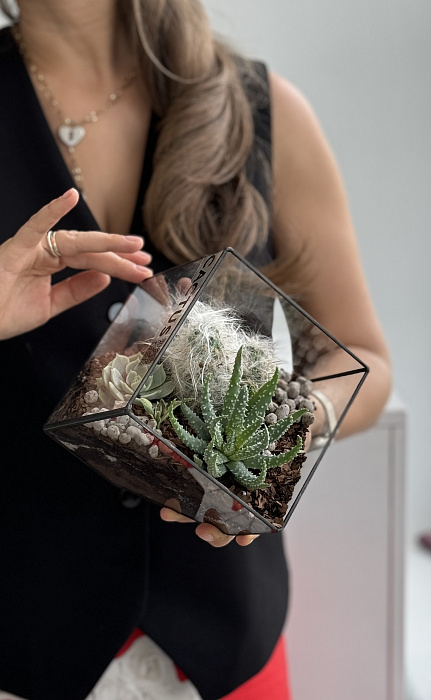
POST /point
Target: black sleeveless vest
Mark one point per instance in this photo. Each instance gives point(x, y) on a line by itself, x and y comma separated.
point(79, 570)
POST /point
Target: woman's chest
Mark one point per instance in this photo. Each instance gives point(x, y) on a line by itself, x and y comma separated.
point(106, 162)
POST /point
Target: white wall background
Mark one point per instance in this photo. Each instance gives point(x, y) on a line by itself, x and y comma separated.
point(365, 66)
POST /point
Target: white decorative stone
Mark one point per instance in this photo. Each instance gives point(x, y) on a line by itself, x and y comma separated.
point(91, 397)
point(140, 440)
point(270, 419)
point(282, 412)
point(153, 451)
point(133, 431)
point(113, 431)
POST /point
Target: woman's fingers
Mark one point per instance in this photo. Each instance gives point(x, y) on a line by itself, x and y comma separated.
point(141, 257)
point(110, 253)
point(46, 218)
point(110, 264)
point(72, 243)
point(207, 532)
point(171, 516)
point(245, 540)
point(78, 244)
point(213, 535)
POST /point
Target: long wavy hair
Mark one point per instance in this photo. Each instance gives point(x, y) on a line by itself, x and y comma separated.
point(200, 198)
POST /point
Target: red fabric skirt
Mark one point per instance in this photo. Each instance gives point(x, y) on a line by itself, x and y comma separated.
point(271, 683)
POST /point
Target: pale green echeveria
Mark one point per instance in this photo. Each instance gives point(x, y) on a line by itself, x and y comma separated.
point(122, 377)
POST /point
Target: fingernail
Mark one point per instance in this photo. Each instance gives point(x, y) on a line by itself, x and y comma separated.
point(207, 537)
point(67, 194)
point(143, 268)
point(134, 238)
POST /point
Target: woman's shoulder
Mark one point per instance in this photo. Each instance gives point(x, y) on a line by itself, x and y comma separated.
point(302, 158)
point(293, 118)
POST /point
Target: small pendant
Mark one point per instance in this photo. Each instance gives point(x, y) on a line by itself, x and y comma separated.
point(71, 135)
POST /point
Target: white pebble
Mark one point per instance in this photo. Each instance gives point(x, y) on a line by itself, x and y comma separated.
point(152, 423)
point(91, 396)
point(133, 431)
point(123, 420)
point(153, 451)
point(282, 411)
point(270, 419)
point(306, 386)
point(280, 395)
point(124, 438)
point(148, 438)
point(306, 403)
point(293, 390)
point(104, 432)
point(113, 431)
point(143, 439)
point(98, 425)
point(307, 419)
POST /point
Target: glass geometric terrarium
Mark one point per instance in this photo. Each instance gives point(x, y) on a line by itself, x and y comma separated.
point(200, 395)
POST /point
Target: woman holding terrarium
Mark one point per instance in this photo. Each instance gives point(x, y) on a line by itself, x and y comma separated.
point(121, 120)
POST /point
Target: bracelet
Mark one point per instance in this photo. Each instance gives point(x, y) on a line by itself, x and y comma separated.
point(320, 440)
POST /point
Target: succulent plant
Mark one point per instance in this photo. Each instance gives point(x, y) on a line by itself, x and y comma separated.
point(123, 375)
point(237, 438)
point(160, 409)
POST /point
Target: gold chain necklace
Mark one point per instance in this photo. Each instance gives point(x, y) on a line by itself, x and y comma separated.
point(70, 133)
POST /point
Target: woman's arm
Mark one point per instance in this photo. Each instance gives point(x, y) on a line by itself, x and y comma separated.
point(310, 213)
point(311, 219)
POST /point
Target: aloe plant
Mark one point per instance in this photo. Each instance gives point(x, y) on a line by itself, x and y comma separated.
point(123, 375)
point(236, 437)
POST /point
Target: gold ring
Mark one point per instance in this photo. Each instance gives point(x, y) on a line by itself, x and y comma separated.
point(50, 237)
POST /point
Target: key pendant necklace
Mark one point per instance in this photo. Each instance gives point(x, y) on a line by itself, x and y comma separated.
point(70, 133)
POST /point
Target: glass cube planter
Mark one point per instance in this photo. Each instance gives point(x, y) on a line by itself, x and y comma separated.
point(176, 339)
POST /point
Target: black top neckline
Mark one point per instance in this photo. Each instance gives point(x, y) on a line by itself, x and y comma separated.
point(56, 154)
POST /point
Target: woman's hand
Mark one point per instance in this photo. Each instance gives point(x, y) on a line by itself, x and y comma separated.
point(205, 531)
point(27, 297)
